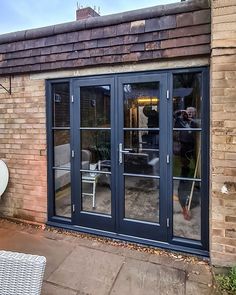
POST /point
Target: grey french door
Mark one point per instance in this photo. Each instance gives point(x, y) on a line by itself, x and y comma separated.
point(120, 160)
point(142, 165)
point(94, 153)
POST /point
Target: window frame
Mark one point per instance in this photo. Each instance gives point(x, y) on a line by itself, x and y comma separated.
point(186, 245)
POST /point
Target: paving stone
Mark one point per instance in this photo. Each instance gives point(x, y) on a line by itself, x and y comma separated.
point(88, 270)
point(49, 289)
point(199, 273)
point(103, 247)
point(200, 278)
point(129, 253)
point(80, 266)
point(139, 277)
point(168, 261)
point(5, 233)
point(194, 288)
point(54, 252)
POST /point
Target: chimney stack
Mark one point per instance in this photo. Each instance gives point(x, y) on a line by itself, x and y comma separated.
point(83, 13)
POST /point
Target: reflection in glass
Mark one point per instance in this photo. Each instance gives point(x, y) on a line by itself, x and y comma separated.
point(187, 209)
point(95, 106)
point(187, 154)
point(142, 140)
point(187, 100)
point(61, 104)
point(143, 156)
point(95, 146)
point(141, 105)
point(62, 184)
point(96, 192)
point(62, 148)
point(142, 198)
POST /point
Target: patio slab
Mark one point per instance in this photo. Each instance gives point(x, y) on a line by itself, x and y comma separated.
point(139, 277)
point(86, 265)
point(90, 271)
point(50, 289)
point(36, 244)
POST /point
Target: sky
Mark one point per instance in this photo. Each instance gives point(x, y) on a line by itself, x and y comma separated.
point(17, 15)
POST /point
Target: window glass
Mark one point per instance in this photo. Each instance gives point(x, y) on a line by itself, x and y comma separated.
point(95, 106)
point(187, 99)
point(61, 104)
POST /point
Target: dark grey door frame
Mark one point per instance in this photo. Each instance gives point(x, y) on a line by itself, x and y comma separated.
point(116, 222)
point(179, 244)
point(80, 217)
point(147, 230)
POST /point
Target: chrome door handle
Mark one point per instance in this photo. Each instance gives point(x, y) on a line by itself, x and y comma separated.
point(121, 152)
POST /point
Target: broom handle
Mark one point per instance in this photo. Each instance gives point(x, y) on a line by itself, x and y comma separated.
point(194, 176)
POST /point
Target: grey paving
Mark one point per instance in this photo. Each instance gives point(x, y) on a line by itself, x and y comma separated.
point(140, 277)
point(49, 289)
point(54, 251)
point(84, 265)
point(88, 270)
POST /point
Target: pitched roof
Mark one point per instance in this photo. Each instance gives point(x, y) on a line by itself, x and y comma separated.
point(166, 31)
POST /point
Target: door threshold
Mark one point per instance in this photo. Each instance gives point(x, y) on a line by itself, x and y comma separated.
point(131, 239)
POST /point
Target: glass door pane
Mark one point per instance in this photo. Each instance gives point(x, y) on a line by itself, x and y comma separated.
point(94, 153)
point(61, 138)
point(95, 143)
point(141, 140)
point(187, 132)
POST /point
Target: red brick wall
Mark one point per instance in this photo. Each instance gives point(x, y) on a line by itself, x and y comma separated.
point(223, 133)
point(22, 147)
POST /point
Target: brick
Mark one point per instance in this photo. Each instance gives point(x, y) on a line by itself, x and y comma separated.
point(186, 41)
point(222, 11)
point(84, 35)
point(190, 31)
point(110, 31)
point(217, 258)
point(117, 41)
point(222, 3)
point(137, 27)
point(161, 23)
point(230, 219)
point(137, 47)
point(22, 147)
point(149, 55)
point(187, 51)
point(217, 247)
point(228, 43)
point(218, 232)
point(227, 26)
point(142, 38)
point(96, 52)
point(123, 29)
point(202, 17)
point(152, 45)
point(229, 249)
point(230, 172)
point(184, 20)
point(230, 233)
point(97, 33)
point(131, 57)
point(130, 39)
point(230, 156)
